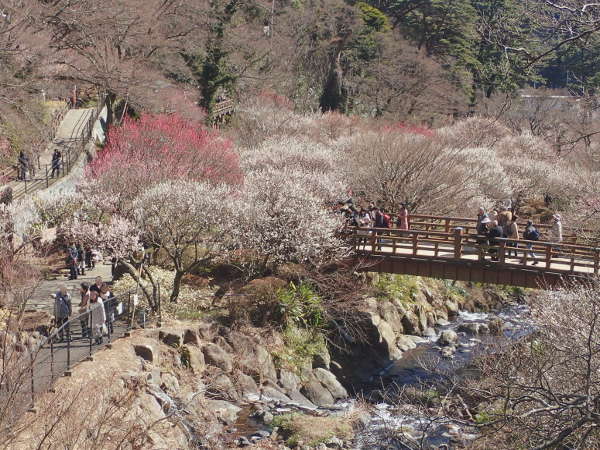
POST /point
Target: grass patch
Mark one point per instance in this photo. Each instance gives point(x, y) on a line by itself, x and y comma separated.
point(401, 287)
point(311, 430)
point(301, 345)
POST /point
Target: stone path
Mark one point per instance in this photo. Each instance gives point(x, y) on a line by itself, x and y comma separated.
point(41, 299)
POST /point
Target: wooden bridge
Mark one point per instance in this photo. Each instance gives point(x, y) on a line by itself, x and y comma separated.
point(449, 248)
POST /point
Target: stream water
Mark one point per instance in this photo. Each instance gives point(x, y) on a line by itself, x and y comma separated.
point(402, 426)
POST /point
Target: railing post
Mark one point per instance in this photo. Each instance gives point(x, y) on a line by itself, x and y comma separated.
point(596, 260)
point(458, 235)
point(52, 358)
point(68, 371)
point(447, 225)
point(47, 184)
point(548, 255)
point(415, 240)
point(502, 252)
point(31, 361)
point(89, 327)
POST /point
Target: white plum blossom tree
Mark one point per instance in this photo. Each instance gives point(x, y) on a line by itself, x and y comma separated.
point(186, 220)
point(281, 217)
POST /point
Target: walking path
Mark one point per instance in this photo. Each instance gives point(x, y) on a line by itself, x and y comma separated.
point(69, 135)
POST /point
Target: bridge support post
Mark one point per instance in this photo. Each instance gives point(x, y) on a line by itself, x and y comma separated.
point(596, 260)
point(458, 235)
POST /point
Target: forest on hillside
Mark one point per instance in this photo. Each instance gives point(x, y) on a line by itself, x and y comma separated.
point(424, 61)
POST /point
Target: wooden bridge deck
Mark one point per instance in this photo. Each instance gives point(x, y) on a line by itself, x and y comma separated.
point(462, 255)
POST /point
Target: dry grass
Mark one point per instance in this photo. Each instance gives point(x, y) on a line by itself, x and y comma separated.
point(312, 430)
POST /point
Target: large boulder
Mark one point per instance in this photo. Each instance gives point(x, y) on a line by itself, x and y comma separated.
point(193, 358)
point(387, 337)
point(246, 384)
point(147, 352)
point(253, 358)
point(405, 342)
point(222, 387)
point(317, 393)
point(171, 337)
point(225, 411)
point(327, 379)
point(191, 337)
point(270, 391)
point(289, 380)
point(448, 337)
point(216, 356)
point(390, 312)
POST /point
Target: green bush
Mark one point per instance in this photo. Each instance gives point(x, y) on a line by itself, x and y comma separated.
point(300, 306)
point(401, 287)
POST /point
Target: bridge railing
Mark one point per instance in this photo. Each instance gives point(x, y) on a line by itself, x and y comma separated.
point(439, 223)
point(460, 245)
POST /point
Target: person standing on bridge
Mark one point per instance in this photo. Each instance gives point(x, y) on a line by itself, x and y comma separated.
point(62, 311)
point(56, 159)
point(531, 234)
point(495, 232)
point(556, 232)
point(481, 225)
point(402, 220)
point(512, 232)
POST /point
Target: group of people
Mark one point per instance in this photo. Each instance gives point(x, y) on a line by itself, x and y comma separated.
point(27, 170)
point(96, 311)
point(79, 258)
point(491, 226)
point(374, 216)
point(494, 225)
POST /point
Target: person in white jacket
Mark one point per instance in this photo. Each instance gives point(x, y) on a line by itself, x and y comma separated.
point(98, 317)
point(557, 229)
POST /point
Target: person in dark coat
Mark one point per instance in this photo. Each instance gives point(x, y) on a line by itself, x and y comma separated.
point(56, 158)
point(23, 165)
point(494, 233)
point(81, 259)
point(62, 311)
point(72, 263)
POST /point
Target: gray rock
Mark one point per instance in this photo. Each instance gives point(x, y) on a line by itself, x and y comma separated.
point(195, 359)
point(448, 351)
point(225, 411)
point(496, 326)
point(243, 442)
point(271, 393)
point(429, 332)
point(267, 419)
point(301, 400)
point(332, 384)
point(386, 336)
point(334, 442)
point(191, 337)
point(224, 387)
point(246, 384)
point(389, 312)
point(452, 308)
point(216, 356)
point(262, 434)
point(206, 331)
point(221, 342)
point(289, 380)
point(448, 337)
point(317, 393)
point(473, 328)
point(171, 337)
point(148, 352)
point(405, 343)
point(169, 383)
point(322, 360)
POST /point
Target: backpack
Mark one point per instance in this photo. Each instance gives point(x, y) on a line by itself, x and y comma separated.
point(532, 234)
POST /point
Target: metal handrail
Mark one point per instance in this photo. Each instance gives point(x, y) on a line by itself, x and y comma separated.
point(81, 134)
point(43, 365)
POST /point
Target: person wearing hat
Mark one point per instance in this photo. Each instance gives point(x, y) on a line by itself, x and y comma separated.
point(481, 225)
point(556, 232)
